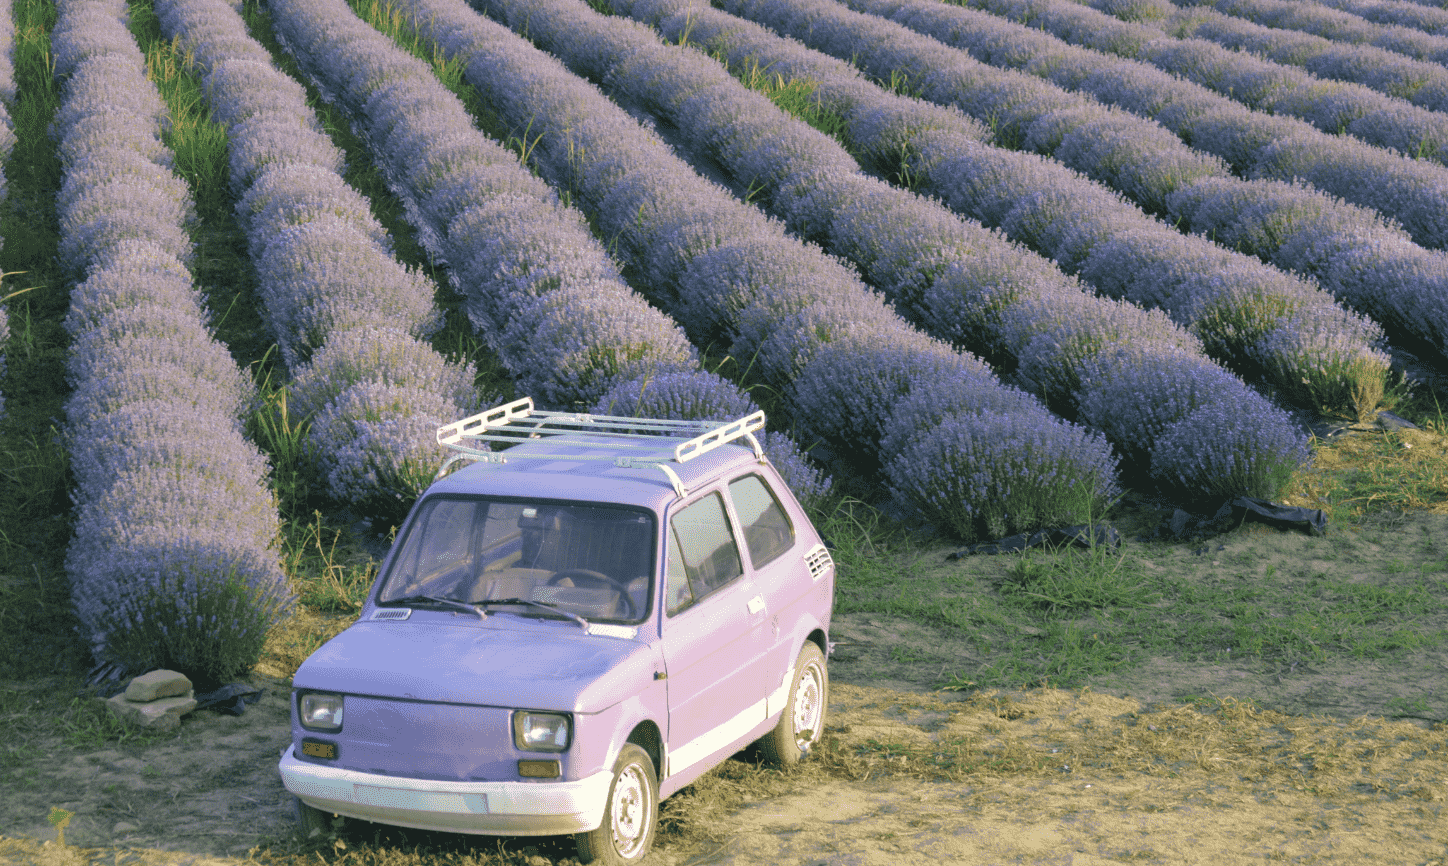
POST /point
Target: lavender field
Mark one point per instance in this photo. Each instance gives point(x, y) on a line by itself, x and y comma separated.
point(988, 266)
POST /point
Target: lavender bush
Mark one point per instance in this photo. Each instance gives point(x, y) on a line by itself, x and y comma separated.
point(996, 298)
point(989, 475)
point(1411, 191)
point(1422, 83)
point(173, 562)
point(7, 59)
point(348, 317)
point(1338, 26)
point(1264, 84)
point(807, 319)
point(1353, 252)
point(1213, 459)
point(1429, 19)
point(909, 247)
point(538, 287)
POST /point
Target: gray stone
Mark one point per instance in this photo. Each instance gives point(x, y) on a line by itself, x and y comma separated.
point(162, 714)
point(124, 827)
point(158, 684)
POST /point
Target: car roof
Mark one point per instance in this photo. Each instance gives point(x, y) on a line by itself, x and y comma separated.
point(579, 469)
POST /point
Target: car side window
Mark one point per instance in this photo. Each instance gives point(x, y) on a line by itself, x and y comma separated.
point(706, 552)
point(767, 530)
point(677, 594)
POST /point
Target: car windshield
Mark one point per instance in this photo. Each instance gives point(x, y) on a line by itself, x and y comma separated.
point(592, 561)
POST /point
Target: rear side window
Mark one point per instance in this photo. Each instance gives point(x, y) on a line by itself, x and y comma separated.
point(767, 530)
point(702, 546)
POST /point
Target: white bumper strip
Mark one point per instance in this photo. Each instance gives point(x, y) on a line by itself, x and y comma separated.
point(542, 808)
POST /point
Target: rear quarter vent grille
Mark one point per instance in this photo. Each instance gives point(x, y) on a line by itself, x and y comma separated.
point(819, 561)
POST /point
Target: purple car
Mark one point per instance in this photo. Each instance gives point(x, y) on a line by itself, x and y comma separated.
point(595, 612)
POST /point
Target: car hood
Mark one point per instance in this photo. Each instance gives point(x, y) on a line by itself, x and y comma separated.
point(483, 664)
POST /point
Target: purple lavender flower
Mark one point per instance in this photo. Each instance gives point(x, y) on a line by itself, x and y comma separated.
point(387, 355)
point(685, 395)
point(287, 194)
point(266, 139)
point(375, 440)
point(571, 352)
point(1210, 454)
point(989, 474)
point(239, 89)
point(324, 276)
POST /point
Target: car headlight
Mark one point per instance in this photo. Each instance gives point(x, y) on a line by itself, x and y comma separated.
point(319, 712)
point(541, 732)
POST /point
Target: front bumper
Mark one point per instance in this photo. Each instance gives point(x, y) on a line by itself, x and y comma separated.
point(503, 808)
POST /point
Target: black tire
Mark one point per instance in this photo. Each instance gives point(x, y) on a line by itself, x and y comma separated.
point(803, 719)
point(311, 821)
point(629, 815)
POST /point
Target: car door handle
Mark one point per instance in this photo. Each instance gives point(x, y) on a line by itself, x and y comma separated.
point(756, 604)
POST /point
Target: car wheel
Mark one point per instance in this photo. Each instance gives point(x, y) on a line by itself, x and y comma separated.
point(629, 815)
point(803, 719)
point(311, 820)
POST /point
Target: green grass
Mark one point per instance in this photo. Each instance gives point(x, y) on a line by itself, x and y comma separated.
point(1064, 617)
point(35, 619)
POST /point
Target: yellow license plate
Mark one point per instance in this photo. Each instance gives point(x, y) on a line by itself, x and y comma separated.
point(315, 749)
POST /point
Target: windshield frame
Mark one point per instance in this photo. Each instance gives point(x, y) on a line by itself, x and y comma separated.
point(394, 568)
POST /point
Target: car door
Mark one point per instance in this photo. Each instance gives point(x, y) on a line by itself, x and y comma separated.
point(715, 636)
point(774, 559)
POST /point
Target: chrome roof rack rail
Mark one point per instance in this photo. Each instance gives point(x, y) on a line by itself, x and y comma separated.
point(653, 441)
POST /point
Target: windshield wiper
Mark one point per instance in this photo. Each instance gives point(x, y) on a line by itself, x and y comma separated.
point(445, 602)
point(543, 604)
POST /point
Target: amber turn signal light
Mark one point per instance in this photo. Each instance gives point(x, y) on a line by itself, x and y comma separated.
point(539, 769)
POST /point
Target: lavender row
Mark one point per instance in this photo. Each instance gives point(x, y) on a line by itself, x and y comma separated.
point(538, 286)
point(1254, 318)
point(1265, 85)
point(1367, 263)
point(954, 445)
point(1396, 13)
point(1420, 82)
point(1255, 144)
point(173, 562)
point(1084, 355)
point(1333, 24)
point(350, 320)
point(1129, 152)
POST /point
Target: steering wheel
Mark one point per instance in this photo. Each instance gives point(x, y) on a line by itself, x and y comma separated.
point(597, 578)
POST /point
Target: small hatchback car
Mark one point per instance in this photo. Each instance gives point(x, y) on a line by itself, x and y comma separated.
point(591, 615)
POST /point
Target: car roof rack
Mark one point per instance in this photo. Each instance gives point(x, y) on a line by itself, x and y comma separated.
point(637, 440)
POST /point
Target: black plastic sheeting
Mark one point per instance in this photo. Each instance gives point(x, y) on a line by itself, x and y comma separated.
point(1184, 526)
point(1083, 535)
point(1181, 526)
point(230, 699)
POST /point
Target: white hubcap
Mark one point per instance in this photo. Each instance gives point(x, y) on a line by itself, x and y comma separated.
point(808, 707)
point(631, 811)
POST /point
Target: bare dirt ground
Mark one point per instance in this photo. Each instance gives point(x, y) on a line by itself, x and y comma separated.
point(1173, 762)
